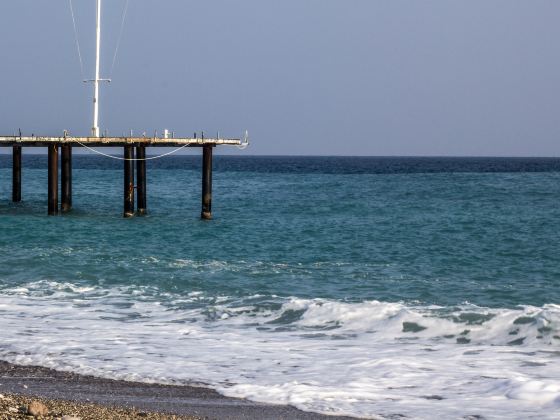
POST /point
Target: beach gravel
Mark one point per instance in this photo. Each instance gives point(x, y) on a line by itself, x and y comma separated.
point(18, 407)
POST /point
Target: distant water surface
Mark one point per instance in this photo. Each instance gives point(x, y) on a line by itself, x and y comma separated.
point(360, 286)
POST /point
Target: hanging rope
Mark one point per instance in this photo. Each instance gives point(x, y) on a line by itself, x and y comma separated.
point(91, 149)
point(77, 39)
point(125, 9)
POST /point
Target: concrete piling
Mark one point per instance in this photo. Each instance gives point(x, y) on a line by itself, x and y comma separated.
point(53, 179)
point(206, 212)
point(141, 179)
point(66, 179)
point(16, 173)
point(128, 181)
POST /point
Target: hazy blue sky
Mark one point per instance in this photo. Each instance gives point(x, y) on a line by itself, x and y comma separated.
point(351, 77)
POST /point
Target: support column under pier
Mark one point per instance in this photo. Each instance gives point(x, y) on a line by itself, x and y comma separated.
point(206, 212)
point(66, 179)
point(53, 179)
point(141, 180)
point(128, 181)
point(16, 174)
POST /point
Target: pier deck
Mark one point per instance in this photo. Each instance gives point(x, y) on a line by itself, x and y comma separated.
point(38, 141)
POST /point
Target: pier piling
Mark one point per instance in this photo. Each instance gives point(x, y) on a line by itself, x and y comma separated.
point(53, 179)
point(128, 181)
point(141, 179)
point(66, 179)
point(206, 182)
point(16, 174)
point(66, 144)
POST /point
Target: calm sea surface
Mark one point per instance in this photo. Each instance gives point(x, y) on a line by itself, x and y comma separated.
point(360, 286)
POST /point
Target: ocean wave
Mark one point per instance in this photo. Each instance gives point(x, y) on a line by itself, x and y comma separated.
point(363, 359)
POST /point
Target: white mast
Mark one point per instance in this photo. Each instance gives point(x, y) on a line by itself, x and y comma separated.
point(95, 129)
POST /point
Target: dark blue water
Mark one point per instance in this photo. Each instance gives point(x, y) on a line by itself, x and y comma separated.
point(431, 230)
point(344, 280)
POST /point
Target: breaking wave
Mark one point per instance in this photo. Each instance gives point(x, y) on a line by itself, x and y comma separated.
point(362, 359)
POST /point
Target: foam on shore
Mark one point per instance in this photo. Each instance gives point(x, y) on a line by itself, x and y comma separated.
point(362, 359)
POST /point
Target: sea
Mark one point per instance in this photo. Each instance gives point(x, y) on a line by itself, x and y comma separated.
point(374, 287)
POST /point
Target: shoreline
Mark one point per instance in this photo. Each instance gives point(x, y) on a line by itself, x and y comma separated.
point(136, 397)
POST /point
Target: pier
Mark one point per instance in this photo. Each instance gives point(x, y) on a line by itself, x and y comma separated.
point(134, 167)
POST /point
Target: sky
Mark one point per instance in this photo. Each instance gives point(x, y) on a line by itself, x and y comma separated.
point(304, 77)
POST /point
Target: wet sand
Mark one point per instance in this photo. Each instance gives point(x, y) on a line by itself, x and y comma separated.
point(135, 400)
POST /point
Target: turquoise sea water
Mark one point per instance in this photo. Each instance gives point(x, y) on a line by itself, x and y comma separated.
point(310, 264)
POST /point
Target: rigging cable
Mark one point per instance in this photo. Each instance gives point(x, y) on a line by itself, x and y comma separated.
point(77, 39)
point(123, 19)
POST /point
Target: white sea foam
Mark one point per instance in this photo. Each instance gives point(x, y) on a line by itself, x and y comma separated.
point(370, 359)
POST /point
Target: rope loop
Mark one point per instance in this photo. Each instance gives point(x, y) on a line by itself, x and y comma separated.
point(91, 149)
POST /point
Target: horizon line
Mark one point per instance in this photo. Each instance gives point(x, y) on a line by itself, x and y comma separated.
point(80, 152)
